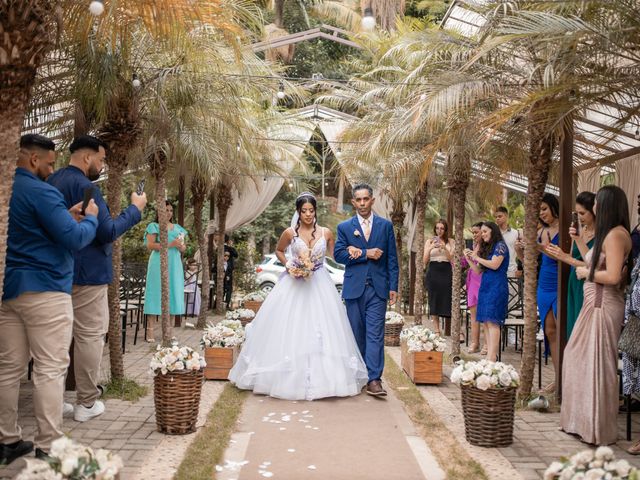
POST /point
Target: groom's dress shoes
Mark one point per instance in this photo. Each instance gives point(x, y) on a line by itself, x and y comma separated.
point(374, 387)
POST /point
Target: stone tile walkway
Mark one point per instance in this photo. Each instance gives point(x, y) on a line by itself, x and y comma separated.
point(126, 428)
point(537, 438)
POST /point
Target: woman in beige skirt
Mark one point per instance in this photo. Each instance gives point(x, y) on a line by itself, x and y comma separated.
point(589, 374)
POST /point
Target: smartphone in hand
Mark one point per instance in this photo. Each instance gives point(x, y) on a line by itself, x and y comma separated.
point(140, 187)
point(574, 222)
point(88, 195)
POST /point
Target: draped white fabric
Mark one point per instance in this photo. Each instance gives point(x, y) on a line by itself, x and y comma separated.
point(589, 180)
point(252, 195)
point(628, 179)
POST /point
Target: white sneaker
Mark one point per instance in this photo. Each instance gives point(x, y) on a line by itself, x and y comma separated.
point(67, 409)
point(82, 413)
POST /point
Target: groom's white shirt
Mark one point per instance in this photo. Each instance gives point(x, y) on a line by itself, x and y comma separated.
point(361, 220)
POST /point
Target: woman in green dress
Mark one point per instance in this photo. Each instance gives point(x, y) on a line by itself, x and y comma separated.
point(152, 296)
point(581, 244)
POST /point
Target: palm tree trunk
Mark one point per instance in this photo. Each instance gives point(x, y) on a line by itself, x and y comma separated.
point(458, 175)
point(540, 154)
point(159, 168)
point(223, 202)
point(421, 205)
point(117, 165)
point(278, 10)
point(397, 217)
point(27, 32)
point(200, 192)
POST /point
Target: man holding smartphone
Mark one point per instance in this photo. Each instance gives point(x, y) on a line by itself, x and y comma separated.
point(93, 269)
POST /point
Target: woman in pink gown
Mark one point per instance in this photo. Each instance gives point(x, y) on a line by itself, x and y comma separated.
point(589, 373)
point(473, 286)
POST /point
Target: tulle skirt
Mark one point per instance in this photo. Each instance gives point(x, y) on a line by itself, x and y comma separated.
point(300, 345)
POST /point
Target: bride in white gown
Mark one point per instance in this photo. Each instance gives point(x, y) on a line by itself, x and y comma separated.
point(300, 345)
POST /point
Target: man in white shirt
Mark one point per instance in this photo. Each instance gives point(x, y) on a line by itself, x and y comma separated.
point(510, 236)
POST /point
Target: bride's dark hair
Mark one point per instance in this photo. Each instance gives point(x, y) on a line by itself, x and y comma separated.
point(303, 198)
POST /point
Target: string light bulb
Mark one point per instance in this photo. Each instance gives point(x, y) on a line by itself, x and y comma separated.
point(423, 97)
point(368, 20)
point(238, 146)
point(96, 7)
point(136, 81)
point(280, 93)
point(637, 134)
point(290, 184)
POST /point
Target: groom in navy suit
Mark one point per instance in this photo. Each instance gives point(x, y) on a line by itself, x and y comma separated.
point(366, 245)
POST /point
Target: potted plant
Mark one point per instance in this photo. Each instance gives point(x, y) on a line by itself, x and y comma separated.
point(600, 463)
point(253, 300)
point(244, 315)
point(393, 323)
point(421, 354)
point(488, 401)
point(177, 384)
point(221, 343)
point(70, 460)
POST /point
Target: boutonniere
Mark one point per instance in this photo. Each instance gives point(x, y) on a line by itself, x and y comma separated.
point(356, 233)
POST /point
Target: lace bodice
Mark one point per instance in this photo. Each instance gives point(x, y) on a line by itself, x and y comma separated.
point(299, 248)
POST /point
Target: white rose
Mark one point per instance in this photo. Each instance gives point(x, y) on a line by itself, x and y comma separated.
point(456, 374)
point(68, 465)
point(483, 382)
point(479, 369)
point(622, 467)
point(567, 473)
point(467, 376)
point(505, 379)
point(604, 453)
point(428, 346)
point(553, 470)
point(494, 380)
point(595, 474)
point(583, 458)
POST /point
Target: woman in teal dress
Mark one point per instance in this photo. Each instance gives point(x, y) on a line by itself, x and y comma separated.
point(152, 297)
point(582, 243)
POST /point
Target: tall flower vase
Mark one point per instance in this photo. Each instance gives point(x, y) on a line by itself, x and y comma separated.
point(488, 415)
point(219, 361)
point(177, 401)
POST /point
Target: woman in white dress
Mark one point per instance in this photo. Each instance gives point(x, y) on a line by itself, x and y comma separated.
point(301, 346)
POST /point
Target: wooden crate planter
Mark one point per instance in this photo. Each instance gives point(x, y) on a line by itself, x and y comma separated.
point(252, 305)
point(422, 367)
point(219, 361)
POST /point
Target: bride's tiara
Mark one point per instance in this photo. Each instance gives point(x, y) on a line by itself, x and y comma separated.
point(305, 194)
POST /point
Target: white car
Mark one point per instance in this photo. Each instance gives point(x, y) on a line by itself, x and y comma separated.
point(270, 270)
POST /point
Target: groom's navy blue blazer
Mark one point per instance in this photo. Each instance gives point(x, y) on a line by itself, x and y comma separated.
point(383, 272)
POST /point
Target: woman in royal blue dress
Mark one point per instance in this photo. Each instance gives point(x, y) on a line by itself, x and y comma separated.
point(492, 260)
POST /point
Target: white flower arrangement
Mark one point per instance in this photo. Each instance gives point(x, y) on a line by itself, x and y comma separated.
point(420, 339)
point(70, 460)
point(175, 359)
point(393, 318)
point(240, 313)
point(591, 465)
point(257, 296)
point(225, 334)
point(485, 375)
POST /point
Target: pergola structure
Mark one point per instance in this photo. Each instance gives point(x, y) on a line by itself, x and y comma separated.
point(594, 145)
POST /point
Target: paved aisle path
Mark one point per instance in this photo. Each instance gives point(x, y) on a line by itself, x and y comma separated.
point(350, 438)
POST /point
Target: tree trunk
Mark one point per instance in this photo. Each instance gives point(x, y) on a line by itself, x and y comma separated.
point(397, 217)
point(251, 249)
point(117, 165)
point(458, 175)
point(421, 204)
point(266, 244)
point(278, 10)
point(540, 154)
point(200, 192)
point(27, 33)
point(223, 202)
point(159, 169)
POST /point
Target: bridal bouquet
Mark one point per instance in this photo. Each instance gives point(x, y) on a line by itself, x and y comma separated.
point(590, 464)
point(70, 460)
point(303, 266)
point(175, 358)
point(226, 333)
point(421, 339)
point(485, 375)
point(240, 313)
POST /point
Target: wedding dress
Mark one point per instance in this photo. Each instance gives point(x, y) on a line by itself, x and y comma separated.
point(300, 345)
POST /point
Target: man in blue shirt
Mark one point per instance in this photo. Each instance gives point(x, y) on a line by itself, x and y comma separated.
point(93, 270)
point(36, 315)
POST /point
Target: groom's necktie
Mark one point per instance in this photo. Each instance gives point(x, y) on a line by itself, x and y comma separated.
point(366, 228)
